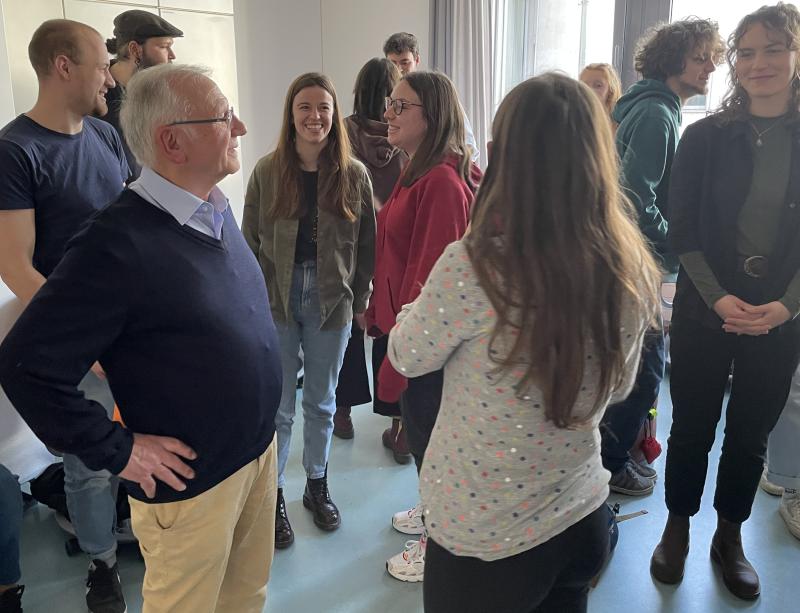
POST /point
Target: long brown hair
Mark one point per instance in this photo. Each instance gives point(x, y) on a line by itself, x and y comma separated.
point(341, 189)
point(781, 18)
point(555, 246)
point(445, 117)
point(374, 83)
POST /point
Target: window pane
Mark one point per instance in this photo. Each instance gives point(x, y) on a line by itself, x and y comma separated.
point(540, 35)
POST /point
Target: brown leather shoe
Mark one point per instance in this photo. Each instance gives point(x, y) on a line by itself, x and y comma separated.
point(342, 424)
point(738, 574)
point(669, 557)
point(394, 439)
point(317, 499)
point(284, 535)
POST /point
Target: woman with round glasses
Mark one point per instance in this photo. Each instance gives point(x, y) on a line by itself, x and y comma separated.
point(427, 210)
point(735, 221)
point(309, 219)
point(367, 131)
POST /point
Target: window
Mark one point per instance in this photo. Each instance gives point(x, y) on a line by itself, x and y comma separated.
point(535, 36)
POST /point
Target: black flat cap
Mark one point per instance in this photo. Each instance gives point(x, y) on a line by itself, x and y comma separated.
point(141, 25)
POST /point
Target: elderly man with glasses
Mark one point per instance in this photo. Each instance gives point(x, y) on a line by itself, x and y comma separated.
point(162, 289)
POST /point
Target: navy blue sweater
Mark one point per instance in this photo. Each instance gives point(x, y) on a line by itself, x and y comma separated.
point(181, 324)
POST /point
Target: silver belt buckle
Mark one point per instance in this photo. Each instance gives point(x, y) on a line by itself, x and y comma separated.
point(756, 266)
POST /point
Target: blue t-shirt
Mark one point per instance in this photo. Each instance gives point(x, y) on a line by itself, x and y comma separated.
point(65, 178)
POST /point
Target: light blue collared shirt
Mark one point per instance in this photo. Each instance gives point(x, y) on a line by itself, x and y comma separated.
point(187, 209)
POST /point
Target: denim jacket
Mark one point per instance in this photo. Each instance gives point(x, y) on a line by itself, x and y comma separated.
point(345, 249)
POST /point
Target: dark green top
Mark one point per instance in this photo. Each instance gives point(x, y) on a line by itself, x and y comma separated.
point(649, 116)
point(760, 216)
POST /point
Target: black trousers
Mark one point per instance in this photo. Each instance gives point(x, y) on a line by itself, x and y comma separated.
point(702, 358)
point(419, 406)
point(352, 388)
point(380, 346)
point(553, 577)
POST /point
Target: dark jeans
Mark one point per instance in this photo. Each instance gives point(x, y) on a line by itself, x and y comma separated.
point(553, 577)
point(420, 407)
point(10, 527)
point(623, 421)
point(762, 373)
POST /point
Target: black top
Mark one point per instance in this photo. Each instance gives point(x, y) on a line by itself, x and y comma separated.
point(306, 246)
point(180, 322)
point(114, 98)
point(65, 178)
point(711, 179)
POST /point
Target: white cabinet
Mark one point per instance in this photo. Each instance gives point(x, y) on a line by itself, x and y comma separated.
point(100, 15)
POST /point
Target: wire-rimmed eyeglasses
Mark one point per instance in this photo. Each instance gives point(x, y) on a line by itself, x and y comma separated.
point(227, 118)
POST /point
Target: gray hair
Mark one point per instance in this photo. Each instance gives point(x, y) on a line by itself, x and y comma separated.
point(156, 97)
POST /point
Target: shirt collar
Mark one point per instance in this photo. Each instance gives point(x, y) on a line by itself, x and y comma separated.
point(175, 200)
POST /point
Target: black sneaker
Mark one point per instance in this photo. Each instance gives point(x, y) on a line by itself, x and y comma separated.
point(103, 590)
point(11, 600)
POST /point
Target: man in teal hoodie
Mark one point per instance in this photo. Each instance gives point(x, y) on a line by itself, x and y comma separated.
point(675, 61)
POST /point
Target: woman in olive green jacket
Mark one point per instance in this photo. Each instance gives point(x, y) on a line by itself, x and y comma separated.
point(309, 220)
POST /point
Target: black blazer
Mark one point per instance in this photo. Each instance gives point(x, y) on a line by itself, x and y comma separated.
point(710, 181)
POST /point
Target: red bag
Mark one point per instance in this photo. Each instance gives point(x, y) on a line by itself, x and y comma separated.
point(650, 447)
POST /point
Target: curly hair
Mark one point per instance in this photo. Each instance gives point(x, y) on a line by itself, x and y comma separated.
point(661, 53)
point(783, 19)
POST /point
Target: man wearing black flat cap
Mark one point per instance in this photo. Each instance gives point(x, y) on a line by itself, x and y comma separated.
point(141, 39)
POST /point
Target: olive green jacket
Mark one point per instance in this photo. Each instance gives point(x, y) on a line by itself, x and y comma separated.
point(345, 249)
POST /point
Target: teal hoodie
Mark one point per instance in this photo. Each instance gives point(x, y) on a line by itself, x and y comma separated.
point(649, 116)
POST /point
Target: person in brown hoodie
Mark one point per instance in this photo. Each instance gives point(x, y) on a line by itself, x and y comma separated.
point(368, 137)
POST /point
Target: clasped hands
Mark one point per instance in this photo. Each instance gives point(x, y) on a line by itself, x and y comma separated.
point(740, 317)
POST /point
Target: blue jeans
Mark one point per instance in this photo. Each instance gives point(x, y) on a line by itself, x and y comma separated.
point(10, 527)
point(92, 494)
point(622, 421)
point(323, 352)
point(783, 459)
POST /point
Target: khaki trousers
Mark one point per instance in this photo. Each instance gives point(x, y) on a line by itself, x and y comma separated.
point(211, 553)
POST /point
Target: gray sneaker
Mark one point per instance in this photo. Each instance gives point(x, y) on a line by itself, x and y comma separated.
point(628, 481)
point(644, 470)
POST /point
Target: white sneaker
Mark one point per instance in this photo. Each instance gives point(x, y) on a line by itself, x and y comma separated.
point(769, 487)
point(790, 511)
point(409, 565)
point(409, 522)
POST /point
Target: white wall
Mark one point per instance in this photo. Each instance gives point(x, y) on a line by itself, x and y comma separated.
point(354, 32)
point(6, 94)
point(276, 41)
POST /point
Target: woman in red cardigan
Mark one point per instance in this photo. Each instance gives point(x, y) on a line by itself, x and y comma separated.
point(427, 210)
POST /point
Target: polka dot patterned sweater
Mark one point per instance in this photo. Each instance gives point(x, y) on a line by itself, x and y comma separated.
point(498, 478)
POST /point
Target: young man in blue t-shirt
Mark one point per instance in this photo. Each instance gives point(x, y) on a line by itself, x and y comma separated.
point(60, 166)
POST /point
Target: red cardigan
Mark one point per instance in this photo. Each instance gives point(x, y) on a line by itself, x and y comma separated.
point(414, 227)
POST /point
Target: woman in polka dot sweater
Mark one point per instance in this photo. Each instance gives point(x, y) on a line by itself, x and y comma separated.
point(537, 318)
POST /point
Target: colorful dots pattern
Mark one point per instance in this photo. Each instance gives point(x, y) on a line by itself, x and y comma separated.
point(498, 477)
